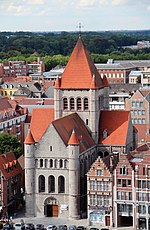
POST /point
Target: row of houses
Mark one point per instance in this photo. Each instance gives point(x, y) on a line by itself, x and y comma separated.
point(118, 189)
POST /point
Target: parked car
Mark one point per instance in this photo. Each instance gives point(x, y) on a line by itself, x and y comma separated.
point(51, 227)
point(94, 228)
point(104, 228)
point(80, 228)
point(72, 227)
point(62, 227)
point(29, 226)
point(7, 226)
point(39, 227)
point(19, 226)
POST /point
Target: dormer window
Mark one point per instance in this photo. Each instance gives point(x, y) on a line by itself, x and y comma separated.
point(105, 133)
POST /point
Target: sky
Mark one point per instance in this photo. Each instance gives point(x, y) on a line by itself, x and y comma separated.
point(65, 15)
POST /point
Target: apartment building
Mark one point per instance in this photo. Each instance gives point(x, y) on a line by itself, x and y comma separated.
point(12, 117)
point(138, 104)
point(99, 190)
point(10, 184)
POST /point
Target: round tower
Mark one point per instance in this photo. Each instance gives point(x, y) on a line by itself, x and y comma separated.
point(74, 171)
point(29, 175)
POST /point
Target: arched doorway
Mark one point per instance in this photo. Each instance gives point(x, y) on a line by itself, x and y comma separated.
point(51, 207)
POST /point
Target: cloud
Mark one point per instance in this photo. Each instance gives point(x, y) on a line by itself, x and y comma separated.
point(119, 2)
point(148, 8)
point(35, 2)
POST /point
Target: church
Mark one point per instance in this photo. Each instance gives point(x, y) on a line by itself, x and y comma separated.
point(64, 141)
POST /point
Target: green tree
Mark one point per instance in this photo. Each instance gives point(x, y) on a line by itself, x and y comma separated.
point(10, 143)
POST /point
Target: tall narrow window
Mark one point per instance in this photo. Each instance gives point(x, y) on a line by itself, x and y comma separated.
point(65, 103)
point(61, 184)
point(60, 163)
point(71, 103)
point(51, 163)
point(41, 183)
point(79, 105)
point(86, 104)
point(41, 163)
point(51, 184)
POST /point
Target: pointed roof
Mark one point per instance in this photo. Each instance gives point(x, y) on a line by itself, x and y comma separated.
point(80, 70)
point(73, 139)
point(65, 125)
point(40, 120)
point(29, 139)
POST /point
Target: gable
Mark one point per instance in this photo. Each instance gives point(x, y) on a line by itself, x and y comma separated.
point(65, 125)
point(40, 120)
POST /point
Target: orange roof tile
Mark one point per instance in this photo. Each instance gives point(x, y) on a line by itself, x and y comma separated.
point(40, 120)
point(73, 139)
point(65, 125)
point(80, 69)
point(5, 163)
point(115, 123)
point(29, 139)
point(143, 132)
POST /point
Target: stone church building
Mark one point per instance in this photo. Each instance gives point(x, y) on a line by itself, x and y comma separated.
point(63, 142)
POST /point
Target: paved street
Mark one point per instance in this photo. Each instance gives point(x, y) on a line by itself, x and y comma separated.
point(57, 221)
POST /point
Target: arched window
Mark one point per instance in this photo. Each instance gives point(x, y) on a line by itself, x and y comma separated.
point(41, 183)
point(79, 104)
point(61, 184)
point(51, 184)
point(65, 103)
point(41, 163)
point(60, 163)
point(86, 104)
point(72, 104)
point(51, 163)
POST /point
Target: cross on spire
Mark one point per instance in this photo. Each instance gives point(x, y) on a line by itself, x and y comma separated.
point(80, 28)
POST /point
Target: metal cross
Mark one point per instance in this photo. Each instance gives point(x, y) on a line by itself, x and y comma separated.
point(80, 28)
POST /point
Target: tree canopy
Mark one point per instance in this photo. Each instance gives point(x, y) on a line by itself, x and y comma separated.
point(10, 143)
point(55, 48)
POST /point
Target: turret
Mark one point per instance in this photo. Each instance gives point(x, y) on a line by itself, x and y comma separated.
point(73, 146)
point(30, 175)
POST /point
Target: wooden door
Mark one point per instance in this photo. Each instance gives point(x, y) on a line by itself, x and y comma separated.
point(55, 210)
point(107, 220)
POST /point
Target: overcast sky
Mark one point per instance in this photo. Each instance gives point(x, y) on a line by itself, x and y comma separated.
point(65, 15)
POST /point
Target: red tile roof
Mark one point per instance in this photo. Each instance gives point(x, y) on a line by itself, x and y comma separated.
point(9, 166)
point(143, 132)
point(115, 123)
point(41, 118)
point(73, 139)
point(80, 70)
point(29, 139)
point(65, 125)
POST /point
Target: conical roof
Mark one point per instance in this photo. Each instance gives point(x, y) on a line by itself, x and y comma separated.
point(80, 70)
point(29, 139)
point(73, 139)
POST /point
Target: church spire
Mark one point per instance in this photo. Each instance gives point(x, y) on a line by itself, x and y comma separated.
point(80, 69)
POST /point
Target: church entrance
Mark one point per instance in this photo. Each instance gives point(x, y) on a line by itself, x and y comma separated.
point(51, 207)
